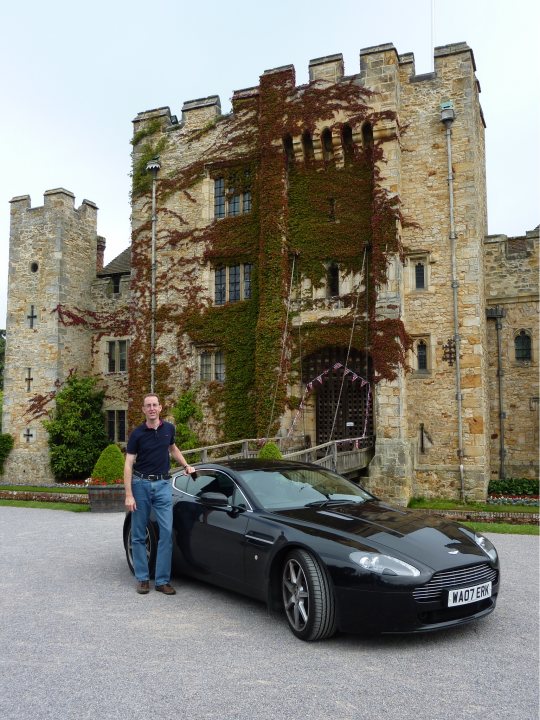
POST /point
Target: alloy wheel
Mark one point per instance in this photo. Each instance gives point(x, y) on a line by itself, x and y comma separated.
point(295, 594)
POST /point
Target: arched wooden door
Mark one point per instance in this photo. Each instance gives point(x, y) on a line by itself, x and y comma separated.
point(342, 402)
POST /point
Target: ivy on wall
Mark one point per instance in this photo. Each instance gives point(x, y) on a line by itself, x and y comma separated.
point(315, 212)
point(289, 217)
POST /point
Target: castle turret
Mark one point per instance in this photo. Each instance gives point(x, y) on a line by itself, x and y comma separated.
point(52, 263)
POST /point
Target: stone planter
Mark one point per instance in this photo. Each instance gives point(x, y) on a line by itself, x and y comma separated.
point(106, 498)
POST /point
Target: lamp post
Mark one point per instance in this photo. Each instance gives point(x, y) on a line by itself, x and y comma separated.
point(153, 166)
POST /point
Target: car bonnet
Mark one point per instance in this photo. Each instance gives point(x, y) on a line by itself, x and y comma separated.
point(434, 541)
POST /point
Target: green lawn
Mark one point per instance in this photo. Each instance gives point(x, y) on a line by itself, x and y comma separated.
point(503, 528)
point(443, 504)
point(67, 489)
point(72, 507)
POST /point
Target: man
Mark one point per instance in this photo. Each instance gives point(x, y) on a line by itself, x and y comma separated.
point(146, 480)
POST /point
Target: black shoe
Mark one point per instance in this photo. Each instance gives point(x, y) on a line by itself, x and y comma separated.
point(143, 587)
point(166, 589)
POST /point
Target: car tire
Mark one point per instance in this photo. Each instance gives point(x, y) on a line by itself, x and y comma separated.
point(308, 598)
point(151, 546)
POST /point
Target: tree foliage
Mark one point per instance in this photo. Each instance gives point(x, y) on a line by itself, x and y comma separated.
point(76, 429)
point(6, 444)
point(186, 410)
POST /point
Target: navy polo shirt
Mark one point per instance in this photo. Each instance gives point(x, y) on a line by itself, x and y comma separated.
point(151, 446)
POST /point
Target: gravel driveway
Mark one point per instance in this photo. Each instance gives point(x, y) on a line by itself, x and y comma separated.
point(76, 641)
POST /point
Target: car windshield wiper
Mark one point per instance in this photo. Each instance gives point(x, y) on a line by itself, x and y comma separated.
point(334, 501)
point(322, 503)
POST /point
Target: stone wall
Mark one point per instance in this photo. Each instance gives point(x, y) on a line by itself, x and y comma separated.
point(425, 402)
point(511, 281)
point(112, 323)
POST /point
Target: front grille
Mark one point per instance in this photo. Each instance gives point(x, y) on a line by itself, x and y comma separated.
point(447, 579)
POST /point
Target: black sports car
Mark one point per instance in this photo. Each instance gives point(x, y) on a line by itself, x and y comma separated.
point(331, 555)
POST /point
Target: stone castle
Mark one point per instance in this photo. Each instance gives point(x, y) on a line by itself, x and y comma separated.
point(313, 265)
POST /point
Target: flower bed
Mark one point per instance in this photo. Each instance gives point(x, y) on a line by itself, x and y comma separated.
point(36, 496)
point(500, 499)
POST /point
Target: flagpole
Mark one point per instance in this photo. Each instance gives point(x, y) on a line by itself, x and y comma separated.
point(432, 36)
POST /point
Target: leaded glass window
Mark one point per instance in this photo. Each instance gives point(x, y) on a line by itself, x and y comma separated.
point(522, 345)
point(247, 281)
point(422, 356)
point(219, 198)
point(219, 366)
point(234, 283)
point(206, 366)
point(420, 276)
point(220, 285)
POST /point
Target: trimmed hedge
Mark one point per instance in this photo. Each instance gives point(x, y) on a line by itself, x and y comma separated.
point(514, 486)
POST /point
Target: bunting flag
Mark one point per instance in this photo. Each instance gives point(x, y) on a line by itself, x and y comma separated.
point(319, 378)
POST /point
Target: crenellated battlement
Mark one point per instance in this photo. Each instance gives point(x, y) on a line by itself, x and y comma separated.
point(56, 200)
point(330, 68)
point(380, 67)
point(199, 112)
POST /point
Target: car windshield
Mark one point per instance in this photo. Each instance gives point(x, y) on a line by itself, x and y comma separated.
point(301, 487)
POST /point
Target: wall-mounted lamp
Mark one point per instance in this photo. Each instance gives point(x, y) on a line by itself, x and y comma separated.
point(448, 114)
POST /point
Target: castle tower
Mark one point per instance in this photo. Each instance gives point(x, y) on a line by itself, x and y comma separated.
point(52, 263)
point(322, 166)
point(424, 438)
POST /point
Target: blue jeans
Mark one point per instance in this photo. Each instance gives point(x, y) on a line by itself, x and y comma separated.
point(156, 495)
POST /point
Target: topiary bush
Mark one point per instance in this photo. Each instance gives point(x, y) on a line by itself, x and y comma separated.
point(270, 451)
point(6, 445)
point(109, 468)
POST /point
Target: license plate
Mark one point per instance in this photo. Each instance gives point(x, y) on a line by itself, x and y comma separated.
point(463, 596)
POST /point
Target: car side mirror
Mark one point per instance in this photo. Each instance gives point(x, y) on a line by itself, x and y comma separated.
point(216, 499)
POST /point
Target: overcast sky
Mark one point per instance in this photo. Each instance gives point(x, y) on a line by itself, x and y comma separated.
point(76, 74)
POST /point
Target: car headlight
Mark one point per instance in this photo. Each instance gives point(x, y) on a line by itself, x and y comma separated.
point(383, 564)
point(487, 546)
